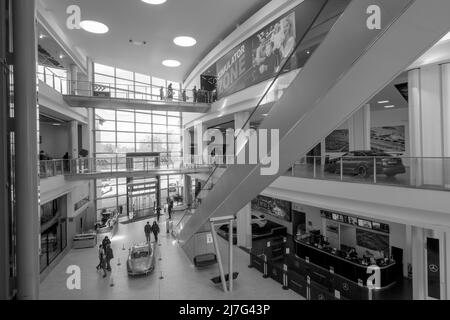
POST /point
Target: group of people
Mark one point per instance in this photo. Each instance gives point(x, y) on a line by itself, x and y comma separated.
point(105, 255)
point(197, 95)
point(149, 229)
point(170, 93)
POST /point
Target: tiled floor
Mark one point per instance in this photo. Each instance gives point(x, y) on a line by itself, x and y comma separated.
point(174, 277)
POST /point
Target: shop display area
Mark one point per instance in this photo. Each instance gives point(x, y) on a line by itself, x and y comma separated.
point(327, 255)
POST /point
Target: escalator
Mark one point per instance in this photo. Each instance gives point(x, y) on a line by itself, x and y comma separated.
point(350, 66)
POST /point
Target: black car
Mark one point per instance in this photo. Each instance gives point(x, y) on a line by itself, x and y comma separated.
point(362, 163)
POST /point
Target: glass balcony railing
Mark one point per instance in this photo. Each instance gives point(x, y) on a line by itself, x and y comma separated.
point(127, 92)
point(413, 172)
point(52, 168)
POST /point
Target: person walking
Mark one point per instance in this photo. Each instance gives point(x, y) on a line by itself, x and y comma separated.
point(155, 229)
point(170, 92)
point(106, 242)
point(195, 93)
point(109, 256)
point(102, 260)
point(158, 213)
point(148, 231)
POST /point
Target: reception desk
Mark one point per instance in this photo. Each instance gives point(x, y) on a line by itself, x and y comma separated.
point(349, 269)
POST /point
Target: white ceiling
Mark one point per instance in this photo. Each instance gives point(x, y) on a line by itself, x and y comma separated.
point(208, 21)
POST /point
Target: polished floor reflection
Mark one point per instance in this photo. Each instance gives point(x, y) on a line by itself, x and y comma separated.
point(174, 277)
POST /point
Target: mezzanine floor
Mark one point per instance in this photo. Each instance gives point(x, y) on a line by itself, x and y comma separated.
point(175, 277)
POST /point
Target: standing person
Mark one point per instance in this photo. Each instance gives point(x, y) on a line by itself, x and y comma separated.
point(169, 209)
point(184, 95)
point(155, 229)
point(102, 258)
point(109, 256)
point(148, 231)
point(195, 93)
point(161, 93)
point(66, 162)
point(158, 213)
point(106, 242)
point(169, 92)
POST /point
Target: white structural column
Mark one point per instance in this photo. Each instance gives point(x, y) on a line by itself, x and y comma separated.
point(244, 227)
point(244, 216)
point(26, 152)
point(187, 142)
point(199, 131)
point(74, 139)
point(359, 129)
point(421, 267)
point(418, 263)
point(429, 117)
point(73, 74)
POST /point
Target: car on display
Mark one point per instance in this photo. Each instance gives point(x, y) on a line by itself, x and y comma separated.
point(172, 187)
point(361, 163)
point(141, 259)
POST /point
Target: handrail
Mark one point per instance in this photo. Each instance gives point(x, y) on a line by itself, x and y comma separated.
point(55, 167)
point(431, 173)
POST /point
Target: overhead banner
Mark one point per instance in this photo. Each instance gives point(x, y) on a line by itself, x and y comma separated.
point(258, 58)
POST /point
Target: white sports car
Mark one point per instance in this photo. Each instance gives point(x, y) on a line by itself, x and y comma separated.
point(141, 259)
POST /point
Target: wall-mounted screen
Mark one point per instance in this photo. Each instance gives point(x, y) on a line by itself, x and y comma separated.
point(365, 223)
point(274, 207)
point(373, 241)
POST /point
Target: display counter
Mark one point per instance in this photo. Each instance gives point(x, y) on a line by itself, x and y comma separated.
point(351, 269)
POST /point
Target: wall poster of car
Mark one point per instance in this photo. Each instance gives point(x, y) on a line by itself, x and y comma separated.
point(274, 207)
point(337, 141)
point(388, 139)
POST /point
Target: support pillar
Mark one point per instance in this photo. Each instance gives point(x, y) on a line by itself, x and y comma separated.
point(73, 73)
point(187, 142)
point(74, 139)
point(429, 118)
point(244, 227)
point(199, 131)
point(359, 129)
point(26, 151)
point(418, 263)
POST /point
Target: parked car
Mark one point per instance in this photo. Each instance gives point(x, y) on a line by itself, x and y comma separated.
point(141, 259)
point(172, 187)
point(362, 163)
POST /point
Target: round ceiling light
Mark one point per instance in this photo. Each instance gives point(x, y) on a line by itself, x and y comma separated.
point(94, 26)
point(171, 63)
point(154, 1)
point(185, 41)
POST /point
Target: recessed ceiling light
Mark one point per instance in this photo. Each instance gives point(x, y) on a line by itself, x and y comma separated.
point(184, 41)
point(383, 102)
point(61, 56)
point(265, 114)
point(171, 63)
point(41, 36)
point(154, 1)
point(94, 26)
point(389, 107)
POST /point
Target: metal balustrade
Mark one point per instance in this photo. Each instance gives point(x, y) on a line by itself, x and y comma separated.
point(127, 92)
point(413, 172)
point(58, 167)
